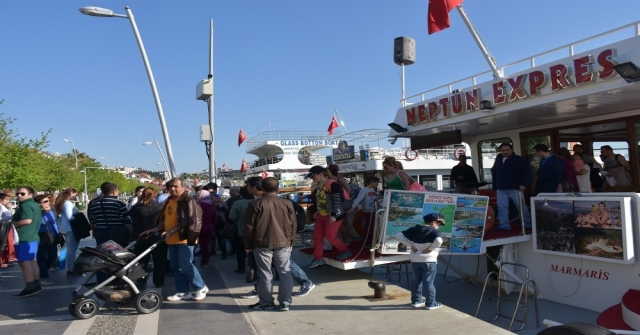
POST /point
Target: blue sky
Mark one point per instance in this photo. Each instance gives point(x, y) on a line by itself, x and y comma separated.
point(285, 61)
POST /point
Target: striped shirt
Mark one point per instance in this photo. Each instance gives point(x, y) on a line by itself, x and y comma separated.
point(108, 211)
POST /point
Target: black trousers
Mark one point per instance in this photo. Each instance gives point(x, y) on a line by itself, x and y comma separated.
point(241, 254)
point(159, 255)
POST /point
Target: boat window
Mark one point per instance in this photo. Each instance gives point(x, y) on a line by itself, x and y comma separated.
point(489, 150)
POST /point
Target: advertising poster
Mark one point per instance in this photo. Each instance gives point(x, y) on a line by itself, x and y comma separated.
point(595, 229)
point(464, 217)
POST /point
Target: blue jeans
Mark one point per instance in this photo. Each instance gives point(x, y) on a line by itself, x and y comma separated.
point(72, 249)
point(503, 208)
point(185, 273)
point(423, 275)
point(298, 275)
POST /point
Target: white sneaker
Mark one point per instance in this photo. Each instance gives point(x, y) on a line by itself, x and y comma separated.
point(180, 296)
point(199, 295)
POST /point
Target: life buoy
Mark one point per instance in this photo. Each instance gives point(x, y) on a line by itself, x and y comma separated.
point(458, 152)
point(411, 158)
point(357, 224)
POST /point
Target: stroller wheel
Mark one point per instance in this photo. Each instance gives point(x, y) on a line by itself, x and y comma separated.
point(148, 301)
point(85, 308)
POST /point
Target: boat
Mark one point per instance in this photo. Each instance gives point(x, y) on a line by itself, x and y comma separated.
point(289, 155)
point(587, 97)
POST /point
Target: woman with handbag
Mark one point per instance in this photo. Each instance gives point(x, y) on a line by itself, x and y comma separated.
point(66, 211)
point(209, 218)
point(47, 248)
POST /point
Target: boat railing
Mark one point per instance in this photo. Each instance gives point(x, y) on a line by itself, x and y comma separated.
point(518, 65)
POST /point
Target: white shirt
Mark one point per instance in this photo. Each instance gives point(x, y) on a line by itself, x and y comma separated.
point(5, 213)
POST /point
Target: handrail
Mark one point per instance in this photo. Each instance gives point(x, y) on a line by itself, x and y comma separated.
point(530, 59)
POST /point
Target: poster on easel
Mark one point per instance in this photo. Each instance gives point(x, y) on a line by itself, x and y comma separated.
point(597, 229)
point(464, 217)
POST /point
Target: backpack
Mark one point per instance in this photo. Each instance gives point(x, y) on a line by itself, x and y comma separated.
point(346, 199)
point(595, 178)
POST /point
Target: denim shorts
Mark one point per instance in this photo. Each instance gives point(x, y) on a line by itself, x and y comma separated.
point(26, 251)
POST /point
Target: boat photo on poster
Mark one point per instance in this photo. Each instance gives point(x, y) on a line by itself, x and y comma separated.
point(464, 217)
point(598, 229)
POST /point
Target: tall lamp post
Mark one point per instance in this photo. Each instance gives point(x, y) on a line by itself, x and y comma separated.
point(105, 158)
point(161, 156)
point(75, 152)
point(103, 12)
point(86, 195)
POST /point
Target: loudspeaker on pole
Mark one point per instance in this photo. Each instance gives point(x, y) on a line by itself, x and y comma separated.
point(404, 50)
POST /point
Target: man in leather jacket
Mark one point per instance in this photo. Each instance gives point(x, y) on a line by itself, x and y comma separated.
point(180, 221)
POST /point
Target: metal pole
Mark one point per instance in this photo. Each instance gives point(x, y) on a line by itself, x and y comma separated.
point(341, 122)
point(404, 103)
point(485, 52)
point(212, 157)
point(75, 152)
point(154, 90)
point(162, 156)
point(86, 196)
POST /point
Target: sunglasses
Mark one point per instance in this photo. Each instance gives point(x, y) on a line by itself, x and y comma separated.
point(21, 194)
point(312, 175)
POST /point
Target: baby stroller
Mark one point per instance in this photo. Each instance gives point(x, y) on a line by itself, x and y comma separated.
point(123, 270)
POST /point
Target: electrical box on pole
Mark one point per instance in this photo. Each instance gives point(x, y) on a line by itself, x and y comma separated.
point(204, 89)
point(205, 133)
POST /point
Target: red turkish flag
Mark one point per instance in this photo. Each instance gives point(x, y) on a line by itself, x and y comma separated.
point(333, 125)
point(241, 137)
point(438, 14)
point(243, 166)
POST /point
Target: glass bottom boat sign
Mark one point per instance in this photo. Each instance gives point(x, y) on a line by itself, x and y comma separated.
point(464, 219)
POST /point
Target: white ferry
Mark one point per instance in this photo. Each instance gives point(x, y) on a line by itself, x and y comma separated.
point(589, 98)
point(289, 155)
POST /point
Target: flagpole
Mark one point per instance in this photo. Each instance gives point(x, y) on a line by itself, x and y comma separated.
point(341, 122)
point(485, 52)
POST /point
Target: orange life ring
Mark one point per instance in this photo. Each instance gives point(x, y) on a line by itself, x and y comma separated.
point(489, 219)
point(411, 158)
point(459, 152)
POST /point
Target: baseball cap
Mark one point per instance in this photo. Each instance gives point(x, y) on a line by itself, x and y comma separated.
point(434, 217)
point(541, 147)
point(315, 170)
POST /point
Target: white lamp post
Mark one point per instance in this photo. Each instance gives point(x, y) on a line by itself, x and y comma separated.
point(105, 158)
point(86, 195)
point(75, 152)
point(103, 12)
point(161, 156)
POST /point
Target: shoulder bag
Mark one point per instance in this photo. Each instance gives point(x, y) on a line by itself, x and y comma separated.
point(80, 226)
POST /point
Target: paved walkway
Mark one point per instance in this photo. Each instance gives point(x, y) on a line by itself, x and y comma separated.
point(336, 306)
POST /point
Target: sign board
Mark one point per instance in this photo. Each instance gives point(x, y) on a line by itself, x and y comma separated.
point(343, 152)
point(464, 219)
point(598, 229)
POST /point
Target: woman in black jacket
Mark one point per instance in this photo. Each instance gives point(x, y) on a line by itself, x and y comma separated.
point(144, 215)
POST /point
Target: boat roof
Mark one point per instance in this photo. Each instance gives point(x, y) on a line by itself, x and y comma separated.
point(554, 101)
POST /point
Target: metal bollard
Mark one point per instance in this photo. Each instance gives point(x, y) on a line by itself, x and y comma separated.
point(379, 290)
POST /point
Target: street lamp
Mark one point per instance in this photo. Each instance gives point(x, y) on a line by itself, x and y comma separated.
point(103, 12)
point(75, 152)
point(161, 156)
point(105, 158)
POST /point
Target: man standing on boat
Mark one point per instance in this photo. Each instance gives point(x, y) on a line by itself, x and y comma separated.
point(551, 171)
point(511, 174)
point(462, 176)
